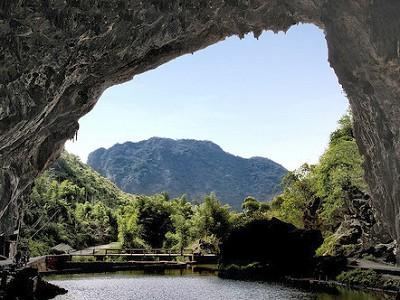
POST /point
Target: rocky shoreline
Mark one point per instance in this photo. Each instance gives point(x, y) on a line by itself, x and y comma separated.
point(275, 251)
point(309, 284)
point(26, 283)
point(332, 286)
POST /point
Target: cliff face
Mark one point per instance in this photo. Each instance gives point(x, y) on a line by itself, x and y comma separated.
point(190, 167)
point(57, 57)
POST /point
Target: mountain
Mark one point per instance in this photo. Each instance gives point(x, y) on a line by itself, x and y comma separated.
point(96, 187)
point(190, 167)
point(71, 203)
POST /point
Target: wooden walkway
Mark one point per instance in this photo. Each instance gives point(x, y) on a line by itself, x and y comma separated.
point(137, 253)
point(378, 267)
point(100, 259)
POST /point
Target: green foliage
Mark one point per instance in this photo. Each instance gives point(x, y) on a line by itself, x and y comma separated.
point(180, 237)
point(340, 168)
point(250, 206)
point(316, 196)
point(298, 193)
point(97, 221)
point(70, 203)
point(368, 278)
point(345, 130)
point(128, 228)
point(156, 221)
point(252, 210)
point(37, 248)
point(211, 218)
point(327, 248)
point(66, 207)
point(359, 277)
point(154, 218)
point(94, 187)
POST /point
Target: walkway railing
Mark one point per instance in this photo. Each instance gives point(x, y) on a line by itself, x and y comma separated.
point(133, 251)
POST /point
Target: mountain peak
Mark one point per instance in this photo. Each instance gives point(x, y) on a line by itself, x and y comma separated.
point(187, 166)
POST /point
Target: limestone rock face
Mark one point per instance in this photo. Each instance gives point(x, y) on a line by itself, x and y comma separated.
point(58, 56)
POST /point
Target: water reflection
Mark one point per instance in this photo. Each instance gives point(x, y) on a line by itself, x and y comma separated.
point(201, 284)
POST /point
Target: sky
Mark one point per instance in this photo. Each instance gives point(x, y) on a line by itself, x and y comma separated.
point(275, 97)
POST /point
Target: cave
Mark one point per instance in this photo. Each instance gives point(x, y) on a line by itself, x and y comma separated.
point(57, 57)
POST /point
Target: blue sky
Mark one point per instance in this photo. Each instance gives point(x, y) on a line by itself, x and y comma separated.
point(275, 97)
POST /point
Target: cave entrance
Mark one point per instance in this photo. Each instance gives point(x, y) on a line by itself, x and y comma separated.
point(253, 98)
point(48, 83)
point(241, 94)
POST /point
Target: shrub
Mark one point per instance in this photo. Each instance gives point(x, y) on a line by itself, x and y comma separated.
point(38, 248)
point(366, 278)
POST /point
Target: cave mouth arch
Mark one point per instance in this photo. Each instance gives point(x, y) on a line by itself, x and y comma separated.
point(253, 97)
point(57, 59)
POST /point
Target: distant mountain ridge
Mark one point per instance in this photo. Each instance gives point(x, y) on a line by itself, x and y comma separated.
point(190, 167)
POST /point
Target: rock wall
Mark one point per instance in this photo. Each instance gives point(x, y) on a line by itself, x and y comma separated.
point(58, 56)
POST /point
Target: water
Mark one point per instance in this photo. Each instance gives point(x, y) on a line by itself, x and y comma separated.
point(183, 285)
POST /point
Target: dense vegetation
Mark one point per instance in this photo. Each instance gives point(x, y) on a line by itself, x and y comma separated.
point(73, 204)
point(368, 278)
point(70, 203)
point(190, 167)
point(321, 196)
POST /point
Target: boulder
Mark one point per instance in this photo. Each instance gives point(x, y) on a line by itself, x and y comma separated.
point(278, 247)
point(26, 284)
point(381, 252)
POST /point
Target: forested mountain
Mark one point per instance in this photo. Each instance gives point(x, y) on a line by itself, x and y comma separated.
point(96, 187)
point(70, 203)
point(190, 167)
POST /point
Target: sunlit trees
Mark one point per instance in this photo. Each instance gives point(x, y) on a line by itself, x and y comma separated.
point(129, 232)
point(298, 194)
point(339, 169)
point(73, 204)
point(211, 218)
point(250, 206)
point(317, 196)
point(49, 216)
point(97, 222)
point(154, 219)
point(181, 217)
point(70, 203)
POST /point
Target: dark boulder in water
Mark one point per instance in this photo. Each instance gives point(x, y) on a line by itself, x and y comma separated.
point(269, 249)
point(27, 284)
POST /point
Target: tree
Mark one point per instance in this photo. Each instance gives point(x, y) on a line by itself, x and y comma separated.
point(318, 196)
point(314, 196)
point(250, 205)
point(154, 219)
point(97, 221)
point(211, 218)
point(129, 232)
point(339, 169)
point(180, 237)
point(298, 192)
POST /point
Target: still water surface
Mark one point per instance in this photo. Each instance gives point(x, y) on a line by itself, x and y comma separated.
point(185, 285)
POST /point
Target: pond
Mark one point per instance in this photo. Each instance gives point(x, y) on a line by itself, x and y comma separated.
point(184, 284)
